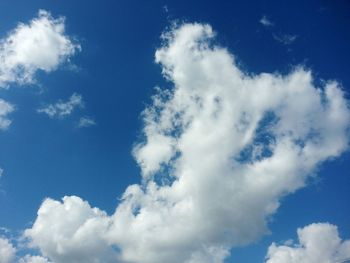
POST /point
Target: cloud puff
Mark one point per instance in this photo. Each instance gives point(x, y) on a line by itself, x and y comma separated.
point(220, 149)
point(63, 109)
point(265, 21)
point(78, 237)
point(318, 243)
point(86, 122)
point(7, 251)
point(39, 45)
point(8, 254)
point(5, 109)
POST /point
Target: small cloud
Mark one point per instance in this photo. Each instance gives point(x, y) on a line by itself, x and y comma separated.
point(5, 109)
point(285, 39)
point(86, 122)
point(62, 109)
point(166, 9)
point(40, 45)
point(265, 21)
point(1, 172)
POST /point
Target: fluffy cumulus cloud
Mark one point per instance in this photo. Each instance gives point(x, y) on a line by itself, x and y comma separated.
point(318, 243)
point(8, 254)
point(61, 108)
point(78, 237)
point(5, 109)
point(220, 149)
point(39, 45)
point(7, 251)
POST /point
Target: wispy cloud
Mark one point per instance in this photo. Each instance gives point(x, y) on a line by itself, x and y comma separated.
point(5, 109)
point(265, 21)
point(166, 9)
point(86, 122)
point(285, 39)
point(61, 108)
point(39, 45)
point(209, 180)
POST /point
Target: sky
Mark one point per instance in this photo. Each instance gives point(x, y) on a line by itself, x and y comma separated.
point(174, 131)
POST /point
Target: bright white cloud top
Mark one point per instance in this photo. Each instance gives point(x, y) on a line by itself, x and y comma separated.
point(221, 148)
point(61, 108)
point(318, 243)
point(39, 45)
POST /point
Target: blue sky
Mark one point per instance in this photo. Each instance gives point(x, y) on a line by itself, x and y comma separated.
point(114, 71)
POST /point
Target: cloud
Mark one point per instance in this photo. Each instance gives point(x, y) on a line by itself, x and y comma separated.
point(86, 122)
point(318, 243)
point(63, 109)
point(33, 259)
point(5, 109)
point(79, 237)
point(39, 45)
point(7, 251)
point(8, 254)
point(285, 39)
point(220, 150)
point(265, 21)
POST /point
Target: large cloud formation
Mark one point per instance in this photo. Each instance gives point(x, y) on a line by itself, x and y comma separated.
point(220, 149)
point(318, 243)
point(39, 45)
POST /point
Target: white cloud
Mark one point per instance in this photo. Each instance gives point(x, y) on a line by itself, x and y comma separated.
point(5, 109)
point(72, 232)
point(318, 243)
point(8, 254)
point(39, 45)
point(221, 148)
point(62, 109)
point(33, 259)
point(86, 122)
point(7, 251)
point(265, 21)
point(285, 39)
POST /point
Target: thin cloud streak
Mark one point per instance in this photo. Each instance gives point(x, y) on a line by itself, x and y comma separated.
point(62, 109)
